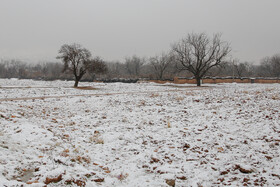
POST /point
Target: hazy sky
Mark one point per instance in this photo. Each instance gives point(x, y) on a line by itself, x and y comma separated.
point(113, 29)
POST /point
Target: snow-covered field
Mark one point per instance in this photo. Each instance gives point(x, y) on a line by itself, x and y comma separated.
point(142, 134)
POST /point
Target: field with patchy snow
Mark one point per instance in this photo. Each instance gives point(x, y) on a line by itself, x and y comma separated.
point(142, 134)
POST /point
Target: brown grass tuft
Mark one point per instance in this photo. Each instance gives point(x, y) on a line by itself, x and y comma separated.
point(86, 88)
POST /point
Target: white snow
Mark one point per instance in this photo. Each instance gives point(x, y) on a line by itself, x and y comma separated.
point(138, 134)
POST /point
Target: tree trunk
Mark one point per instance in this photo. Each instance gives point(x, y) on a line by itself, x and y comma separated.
point(160, 76)
point(76, 83)
point(77, 79)
point(92, 77)
point(198, 81)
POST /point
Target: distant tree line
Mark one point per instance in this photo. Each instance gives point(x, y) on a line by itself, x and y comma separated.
point(196, 55)
point(24, 70)
point(159, 67)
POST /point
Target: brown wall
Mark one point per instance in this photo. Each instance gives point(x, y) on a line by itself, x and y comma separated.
point(267, 81)
point(213, 81)
point(160, 82)
point(184, 81)
point(220, 80)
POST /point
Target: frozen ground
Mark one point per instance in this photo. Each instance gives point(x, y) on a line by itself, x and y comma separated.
point(141, 134)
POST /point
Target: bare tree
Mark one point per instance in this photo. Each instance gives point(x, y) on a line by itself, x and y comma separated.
point(160, 64)
point(3, 70)
point(133, 65)
point(97, 66)
point(243, 69)
point(275, 63)
point(270, 66)
point(76, 59)
point(197, 53)
point(51, 70)
point(115, 69)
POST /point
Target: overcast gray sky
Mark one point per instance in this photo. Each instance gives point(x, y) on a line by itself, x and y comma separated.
point(113, 29)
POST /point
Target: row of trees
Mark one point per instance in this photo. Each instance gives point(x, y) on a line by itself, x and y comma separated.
point(23, 70)
point(152, 68)
point(197, 55)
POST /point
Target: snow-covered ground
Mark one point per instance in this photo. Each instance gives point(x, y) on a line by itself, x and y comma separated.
point(142, 134)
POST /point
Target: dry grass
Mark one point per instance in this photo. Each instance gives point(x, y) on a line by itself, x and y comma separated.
point(189, 94)
point(275, 97)
point(183, 86)
point(96, 138)
point(86, 88)
point(168, 124)
point(269, 89)
point(154, 95)
point(142, 103)
point(25, 87)
point(122, 176)
point(180, 98)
